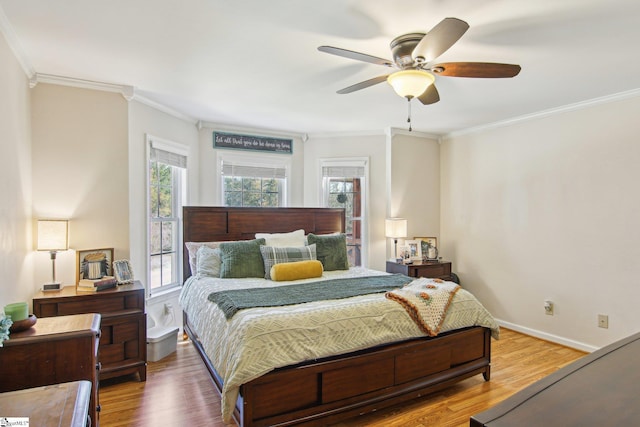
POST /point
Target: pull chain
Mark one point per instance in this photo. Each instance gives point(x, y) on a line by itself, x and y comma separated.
point(409, 117)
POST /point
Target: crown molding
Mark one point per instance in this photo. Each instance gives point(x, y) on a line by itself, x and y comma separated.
point(372, 132)
point(546, 113)
point(126, 91)
point(391, 132)
point(161, 107)
point(14, 44)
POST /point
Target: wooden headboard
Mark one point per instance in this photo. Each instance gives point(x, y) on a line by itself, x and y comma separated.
point(219, 223)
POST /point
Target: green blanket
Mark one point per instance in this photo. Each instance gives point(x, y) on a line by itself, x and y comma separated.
point(231, 301)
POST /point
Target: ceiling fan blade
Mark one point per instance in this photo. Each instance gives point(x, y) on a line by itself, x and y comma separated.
point(364, 84)
point(439, 39)
point(476, 69)
point(355, 55)
point(430, 96)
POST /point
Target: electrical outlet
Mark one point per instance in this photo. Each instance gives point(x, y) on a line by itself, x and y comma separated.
point(603, 321)
point(548, 307)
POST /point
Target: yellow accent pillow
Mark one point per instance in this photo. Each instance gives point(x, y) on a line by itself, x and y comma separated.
point(296, 270)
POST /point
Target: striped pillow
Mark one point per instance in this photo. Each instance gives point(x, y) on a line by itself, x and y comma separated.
point(272, 255)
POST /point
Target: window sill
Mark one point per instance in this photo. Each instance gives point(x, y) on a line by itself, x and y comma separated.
point(166, 294)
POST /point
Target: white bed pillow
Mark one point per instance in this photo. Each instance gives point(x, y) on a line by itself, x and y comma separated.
point(192, 248)
point(208, 262)
point(283, 240)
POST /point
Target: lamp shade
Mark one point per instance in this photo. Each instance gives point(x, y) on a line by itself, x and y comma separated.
point(395, 227)
point(53, 235)
point(410, 83)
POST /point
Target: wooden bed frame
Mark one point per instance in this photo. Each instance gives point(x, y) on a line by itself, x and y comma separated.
point(328, 390)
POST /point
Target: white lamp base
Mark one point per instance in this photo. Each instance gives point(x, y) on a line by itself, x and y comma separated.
point(52, 286)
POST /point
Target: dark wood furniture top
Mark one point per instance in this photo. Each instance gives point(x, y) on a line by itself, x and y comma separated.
point(123, 344)
point(56, 350)
point(328, 390)
point(600, 389)
point(58, 405)
point(434, 269)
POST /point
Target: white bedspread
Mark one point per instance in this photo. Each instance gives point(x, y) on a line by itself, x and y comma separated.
point(258, 340)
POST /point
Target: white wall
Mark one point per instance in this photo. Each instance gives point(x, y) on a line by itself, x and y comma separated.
point(549, 208)
point(143, 121)
point(80, 171)
point(209, 171)
point(414, 185)
point(404, 181)
point(16, 230)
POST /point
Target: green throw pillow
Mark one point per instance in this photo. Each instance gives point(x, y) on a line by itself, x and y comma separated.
point(273, 255)
point(331, 250)
point(241, 259)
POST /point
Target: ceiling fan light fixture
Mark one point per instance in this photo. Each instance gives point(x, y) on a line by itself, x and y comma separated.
point(410, 83)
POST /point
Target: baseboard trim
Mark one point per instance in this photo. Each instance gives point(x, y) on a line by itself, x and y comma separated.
point(548, 337)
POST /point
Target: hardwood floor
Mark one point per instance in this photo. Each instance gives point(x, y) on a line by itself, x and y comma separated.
point(178, 390)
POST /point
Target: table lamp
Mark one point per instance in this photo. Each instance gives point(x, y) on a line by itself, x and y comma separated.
point(53, 237)
point(395, 228)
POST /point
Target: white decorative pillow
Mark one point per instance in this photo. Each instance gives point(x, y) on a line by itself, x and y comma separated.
point(282, 240)
point(192, 248)
point(208, 262)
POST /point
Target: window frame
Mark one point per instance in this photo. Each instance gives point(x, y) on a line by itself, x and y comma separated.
point(178, 200)
point(262, 160)
point(323, 195)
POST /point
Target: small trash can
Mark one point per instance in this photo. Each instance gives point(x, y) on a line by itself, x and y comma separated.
point(161, 342)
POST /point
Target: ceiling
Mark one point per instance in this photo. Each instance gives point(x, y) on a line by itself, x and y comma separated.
point(255, 63)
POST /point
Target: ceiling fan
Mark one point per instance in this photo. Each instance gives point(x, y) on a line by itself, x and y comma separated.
point(413, 55)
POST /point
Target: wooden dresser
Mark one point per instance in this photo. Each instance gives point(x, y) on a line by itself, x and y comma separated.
point(56, 350)
point(123, 343)
point(56, 405)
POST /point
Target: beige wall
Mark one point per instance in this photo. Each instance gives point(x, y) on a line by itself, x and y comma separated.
point(80, 171)
point(549, 208)
point(16, 248)
point(414, 185)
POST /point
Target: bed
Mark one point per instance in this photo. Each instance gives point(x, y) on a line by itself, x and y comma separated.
point(346, 376)
point(600, 389)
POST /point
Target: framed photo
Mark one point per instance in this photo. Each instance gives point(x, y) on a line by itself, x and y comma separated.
point(404, 252)
point(433, 241)
point(122, 271)
point(93, 263)
point(415, 249)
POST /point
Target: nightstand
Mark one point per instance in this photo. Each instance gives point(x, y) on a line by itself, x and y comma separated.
point(123, 343)
point(55, 350)
point(435, 269)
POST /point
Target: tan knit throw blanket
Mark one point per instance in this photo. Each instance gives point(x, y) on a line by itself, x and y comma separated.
point(426, 301)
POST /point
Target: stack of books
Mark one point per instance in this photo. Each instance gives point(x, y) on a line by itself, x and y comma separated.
point(95, 285)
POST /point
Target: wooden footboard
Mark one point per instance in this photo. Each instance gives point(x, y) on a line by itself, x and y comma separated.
point(332, 389)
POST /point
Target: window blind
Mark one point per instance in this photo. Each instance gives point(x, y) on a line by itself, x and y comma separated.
point(168, 158)
point(232, 169)
point(343, 171)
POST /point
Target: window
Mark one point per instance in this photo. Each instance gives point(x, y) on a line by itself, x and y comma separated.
point(247, 182)
point(343, 185)
point(167, 184)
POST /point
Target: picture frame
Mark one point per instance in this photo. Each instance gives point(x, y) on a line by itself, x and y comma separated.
point(432, 240)
point(415, 249)
point(93, 263)
point(404, 253)
point(122, 271)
